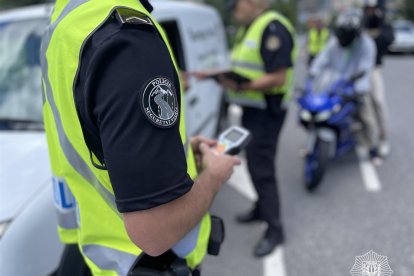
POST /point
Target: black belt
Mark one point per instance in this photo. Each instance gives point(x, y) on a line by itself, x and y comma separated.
point(150, 266)
point(169, 264)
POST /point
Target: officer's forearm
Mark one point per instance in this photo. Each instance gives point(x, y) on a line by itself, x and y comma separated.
point(158, 229)
point(269, 81)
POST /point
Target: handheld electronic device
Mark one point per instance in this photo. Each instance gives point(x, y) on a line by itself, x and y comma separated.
point(233, 140)
point(239, 79)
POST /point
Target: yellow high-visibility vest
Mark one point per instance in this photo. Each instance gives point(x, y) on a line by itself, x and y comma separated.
point(100, 230)
point(317, 40)
point(248, 62)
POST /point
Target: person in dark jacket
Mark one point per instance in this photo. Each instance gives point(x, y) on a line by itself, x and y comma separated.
point(383, 35)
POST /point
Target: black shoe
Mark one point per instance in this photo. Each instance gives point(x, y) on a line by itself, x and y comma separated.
point(248, 217)
point(269, 242)
point(375, 157)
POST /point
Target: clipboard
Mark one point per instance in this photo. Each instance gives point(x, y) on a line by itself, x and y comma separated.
point(231, 75)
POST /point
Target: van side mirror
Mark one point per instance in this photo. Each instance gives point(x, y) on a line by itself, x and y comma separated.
point(31, 48)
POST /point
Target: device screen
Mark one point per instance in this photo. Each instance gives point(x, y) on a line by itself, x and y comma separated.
point(234, 135)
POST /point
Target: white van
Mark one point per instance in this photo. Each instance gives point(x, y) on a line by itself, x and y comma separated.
point(198, 39)
point(29, 243)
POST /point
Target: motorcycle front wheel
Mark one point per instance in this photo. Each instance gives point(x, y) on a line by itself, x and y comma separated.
point(315, 164)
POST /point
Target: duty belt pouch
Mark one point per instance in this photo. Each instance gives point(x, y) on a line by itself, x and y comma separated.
point(168, 264)
point(216, 236)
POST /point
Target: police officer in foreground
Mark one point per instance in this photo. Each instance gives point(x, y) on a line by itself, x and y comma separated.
point(263, 52)
point(116, 134)
point(383, 35)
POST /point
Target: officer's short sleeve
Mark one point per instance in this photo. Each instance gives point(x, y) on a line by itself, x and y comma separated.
point(132, 95)
point(276, 47)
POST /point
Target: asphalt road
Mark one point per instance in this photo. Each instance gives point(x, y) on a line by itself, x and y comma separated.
point(326, 230)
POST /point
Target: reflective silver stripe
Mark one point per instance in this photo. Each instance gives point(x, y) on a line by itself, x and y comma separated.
point(70, 152)
point(107, 258)
point(65, 204)
point(248, 65)
point(68, 8)
point(188, 243)
point(247, 102)
point(43, 97)
point(67, 220)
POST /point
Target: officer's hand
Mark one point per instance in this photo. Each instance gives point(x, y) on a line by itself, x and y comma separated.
point(246, 86)
point(229, 84)
point(197, 140)
point(184, 80)
point(195, 144)
point(219, 166)
point(200, 75)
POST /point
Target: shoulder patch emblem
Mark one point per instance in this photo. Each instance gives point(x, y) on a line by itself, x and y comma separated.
point(273, 43)
point(127, 16)
point(159, 102)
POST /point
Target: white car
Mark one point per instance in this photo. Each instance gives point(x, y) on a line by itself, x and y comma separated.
point(404, 37)
point(29, 244)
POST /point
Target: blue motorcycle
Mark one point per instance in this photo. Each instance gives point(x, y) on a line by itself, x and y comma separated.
point(327, 110)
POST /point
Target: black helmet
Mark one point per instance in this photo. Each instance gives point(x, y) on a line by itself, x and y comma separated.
point(231, 4)
point(348, 26)
point(373, 14)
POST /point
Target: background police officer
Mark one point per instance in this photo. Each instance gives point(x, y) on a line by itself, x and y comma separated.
point(116, 133)
point(383, 35)
point(263, 52)
point(318, 36)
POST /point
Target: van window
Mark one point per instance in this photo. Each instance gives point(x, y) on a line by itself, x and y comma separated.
point(173, 34)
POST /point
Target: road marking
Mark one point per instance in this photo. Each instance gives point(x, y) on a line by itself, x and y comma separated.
point(274, 265)
point(369, 173)
point(240, 180)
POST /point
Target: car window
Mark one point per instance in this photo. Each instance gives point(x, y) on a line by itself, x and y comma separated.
point(20, 73)
point(403, 29)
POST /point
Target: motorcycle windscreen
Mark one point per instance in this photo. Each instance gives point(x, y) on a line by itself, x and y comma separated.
point(324, 82)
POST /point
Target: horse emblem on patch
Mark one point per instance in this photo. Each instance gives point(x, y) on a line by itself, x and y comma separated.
point(159, 102)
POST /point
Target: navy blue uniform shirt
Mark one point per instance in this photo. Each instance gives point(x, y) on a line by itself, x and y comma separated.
point(276, 48)
point(128, 100)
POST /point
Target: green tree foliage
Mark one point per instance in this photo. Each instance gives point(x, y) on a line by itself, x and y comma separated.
point(4, 4)
point(220, 6)
point(288, 8)
point(408, 9)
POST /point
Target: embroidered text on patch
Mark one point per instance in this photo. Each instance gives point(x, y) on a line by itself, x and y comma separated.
point(159, 102)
